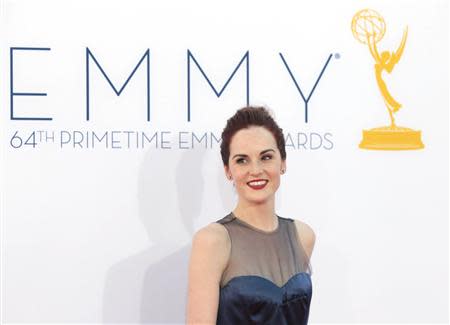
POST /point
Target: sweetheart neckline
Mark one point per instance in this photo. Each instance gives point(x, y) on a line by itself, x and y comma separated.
point(308, 276)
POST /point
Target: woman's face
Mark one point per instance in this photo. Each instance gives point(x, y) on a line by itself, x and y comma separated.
point(255, 164)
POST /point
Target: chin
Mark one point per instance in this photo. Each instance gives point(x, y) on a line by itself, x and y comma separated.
point(258, 199)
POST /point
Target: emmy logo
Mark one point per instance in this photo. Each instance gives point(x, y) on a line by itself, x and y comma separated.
point(368, 27)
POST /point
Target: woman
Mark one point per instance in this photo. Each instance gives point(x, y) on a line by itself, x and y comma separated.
point(252, 266)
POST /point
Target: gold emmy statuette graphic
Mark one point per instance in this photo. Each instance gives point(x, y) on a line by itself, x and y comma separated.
point(368, 27)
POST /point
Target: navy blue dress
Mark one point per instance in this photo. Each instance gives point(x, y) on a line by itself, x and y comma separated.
point(268, 277)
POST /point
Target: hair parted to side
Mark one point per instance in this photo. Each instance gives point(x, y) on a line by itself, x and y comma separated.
point(244, 118)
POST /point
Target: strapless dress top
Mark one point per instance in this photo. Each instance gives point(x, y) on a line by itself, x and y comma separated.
point(251, 299)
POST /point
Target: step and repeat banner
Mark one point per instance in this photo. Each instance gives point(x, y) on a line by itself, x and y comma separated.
point(111, 119)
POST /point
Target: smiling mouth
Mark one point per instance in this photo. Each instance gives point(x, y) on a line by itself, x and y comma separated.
point(258, 184)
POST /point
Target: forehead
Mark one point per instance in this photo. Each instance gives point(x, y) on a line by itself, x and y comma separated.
point(252, 139)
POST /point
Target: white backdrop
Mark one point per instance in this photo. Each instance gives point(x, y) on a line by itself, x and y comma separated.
point(101, 233)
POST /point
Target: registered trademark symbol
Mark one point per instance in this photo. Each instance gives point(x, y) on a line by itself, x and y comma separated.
point(337, 56)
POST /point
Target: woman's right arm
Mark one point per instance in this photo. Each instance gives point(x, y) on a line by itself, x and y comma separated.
point(209, 255)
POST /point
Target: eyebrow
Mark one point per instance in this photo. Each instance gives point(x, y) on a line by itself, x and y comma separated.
point(244, 155)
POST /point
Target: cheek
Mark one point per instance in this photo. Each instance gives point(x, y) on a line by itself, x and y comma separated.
point(274, 170)
point(238, 173)
point(241, 176)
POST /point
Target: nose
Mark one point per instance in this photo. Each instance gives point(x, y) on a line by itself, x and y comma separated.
point(256, 168)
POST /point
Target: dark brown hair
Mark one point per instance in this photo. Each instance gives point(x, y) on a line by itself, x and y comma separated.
point(245, 118)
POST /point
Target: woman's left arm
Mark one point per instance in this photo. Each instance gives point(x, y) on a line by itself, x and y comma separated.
point(307, 237)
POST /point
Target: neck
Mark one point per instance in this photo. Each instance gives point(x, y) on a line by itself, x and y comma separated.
point(261, 215)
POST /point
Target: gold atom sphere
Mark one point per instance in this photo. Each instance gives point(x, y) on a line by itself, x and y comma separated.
point(366, 23)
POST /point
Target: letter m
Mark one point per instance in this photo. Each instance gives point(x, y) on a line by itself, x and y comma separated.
point(218, 93)
point(145, 57)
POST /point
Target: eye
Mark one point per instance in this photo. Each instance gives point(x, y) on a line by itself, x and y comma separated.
point(241, 160)
point(266, 157)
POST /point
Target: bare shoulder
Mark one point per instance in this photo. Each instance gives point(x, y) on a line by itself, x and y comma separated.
point(212, 240)
point(213, 233)
point(307, 236)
